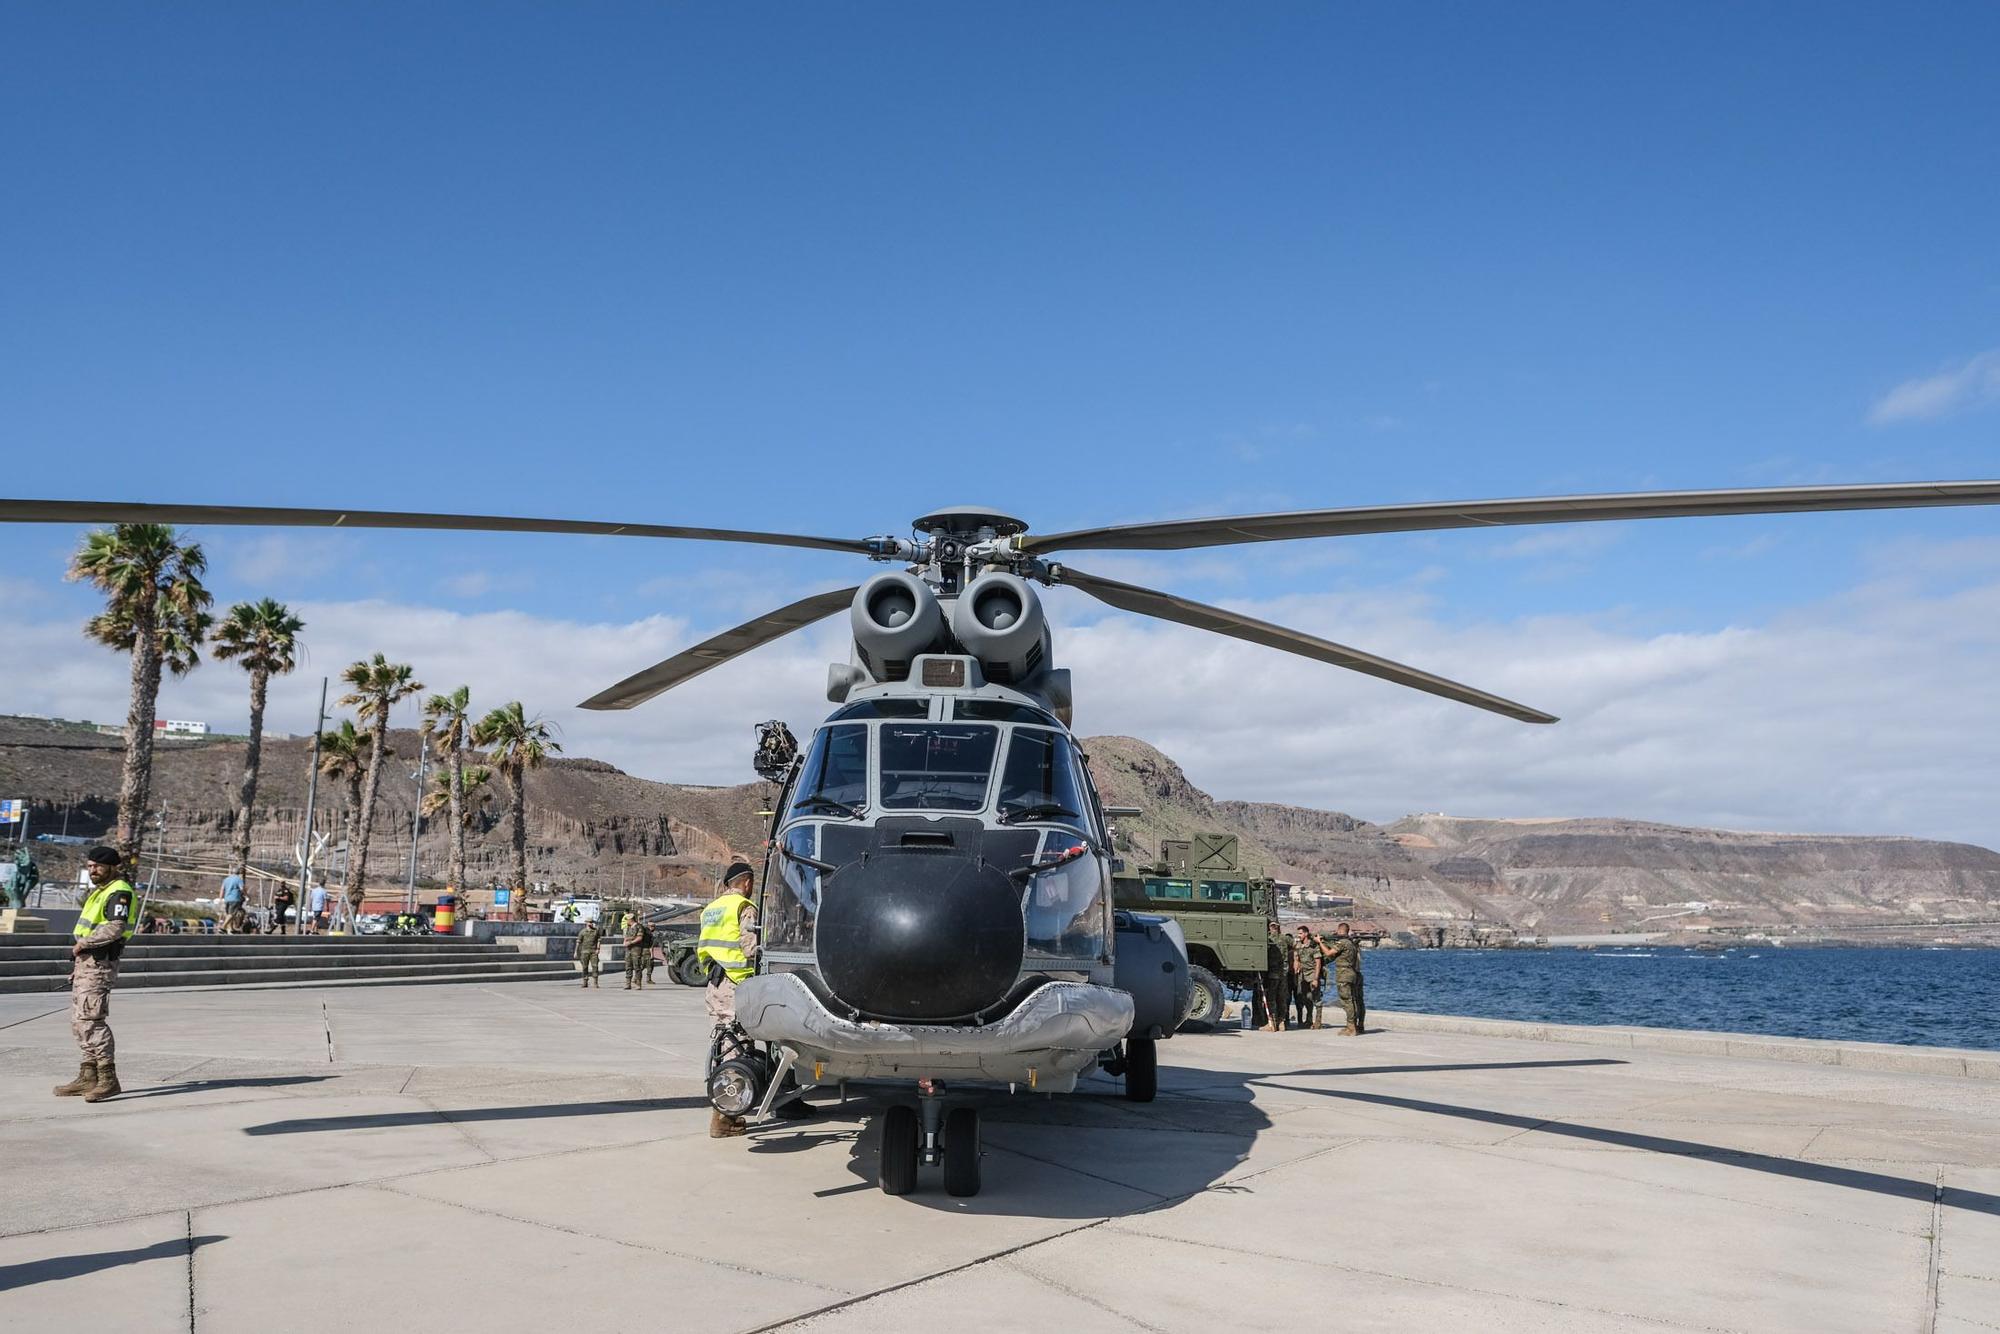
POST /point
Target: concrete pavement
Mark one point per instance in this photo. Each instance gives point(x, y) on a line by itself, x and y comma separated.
point(532, 1156)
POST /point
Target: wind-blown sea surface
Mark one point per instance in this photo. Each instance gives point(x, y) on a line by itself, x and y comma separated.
point(1931, 997)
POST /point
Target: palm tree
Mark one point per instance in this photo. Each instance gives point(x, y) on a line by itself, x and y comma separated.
point(265, 636)
point(378, 686)
point(446, 719)
point(343, 755)
point(157, 610)
point(471, 797)
point(516, 743)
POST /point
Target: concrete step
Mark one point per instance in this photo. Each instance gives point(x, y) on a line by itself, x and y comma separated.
point(153, 963)
point(49, 940)
point(521, 967)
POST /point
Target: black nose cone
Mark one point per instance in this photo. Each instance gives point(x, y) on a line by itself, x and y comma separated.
point(919, 935)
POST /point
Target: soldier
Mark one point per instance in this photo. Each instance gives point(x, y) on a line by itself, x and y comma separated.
point(102, 929)
point(282, 899)
point(1277, 978)
point(1346, 956)
point(728, 948)
point(634, 940)
point(587, 942)
point(1308, 979)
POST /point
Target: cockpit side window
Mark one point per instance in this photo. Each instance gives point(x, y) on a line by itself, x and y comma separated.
point(834, 778)
point(1039, 783)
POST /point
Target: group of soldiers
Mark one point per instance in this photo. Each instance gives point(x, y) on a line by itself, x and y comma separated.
point(1293, 987)
point(635, 936)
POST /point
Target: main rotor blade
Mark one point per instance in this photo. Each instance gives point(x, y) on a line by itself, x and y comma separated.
point(690, 663)
point(118, 511)
point(1168, 607)
point(1179, 534)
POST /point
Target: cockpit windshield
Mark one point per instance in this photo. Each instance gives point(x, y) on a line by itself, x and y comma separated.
point(936, 766)
point(834, 781)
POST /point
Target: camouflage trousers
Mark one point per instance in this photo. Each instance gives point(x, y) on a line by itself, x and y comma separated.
point(635, 964)
point(593, 965)
point(1348, 987)
point(1306, 992)
point(721, 1002)
point(90, 1008)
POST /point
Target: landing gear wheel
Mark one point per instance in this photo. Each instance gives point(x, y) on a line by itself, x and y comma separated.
point(961, 1151)
point(1204, 1009)
point(691, 972)
point(1142, 1069)
point(898, 1174)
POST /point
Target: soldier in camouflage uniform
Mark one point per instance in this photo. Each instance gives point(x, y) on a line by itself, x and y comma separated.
point(102, 928)
point(1308, 978)
point(635, 952)
point(1346, 957)
point(1277, 979)
point(587, 942)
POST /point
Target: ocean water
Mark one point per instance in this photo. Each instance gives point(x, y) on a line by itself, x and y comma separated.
point(1931, 997)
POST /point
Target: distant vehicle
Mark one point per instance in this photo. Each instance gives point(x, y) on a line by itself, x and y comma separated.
point(1223, 910)
point(578, 910)
point(371, 924)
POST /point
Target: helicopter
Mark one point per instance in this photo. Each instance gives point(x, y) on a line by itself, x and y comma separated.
point(936, 907)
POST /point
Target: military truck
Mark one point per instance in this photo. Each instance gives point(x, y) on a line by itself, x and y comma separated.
point(1223, 910)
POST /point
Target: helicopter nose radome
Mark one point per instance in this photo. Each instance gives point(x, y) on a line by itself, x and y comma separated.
point(914, 935)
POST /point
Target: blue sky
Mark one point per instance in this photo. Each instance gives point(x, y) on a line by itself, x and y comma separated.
point(827, 267)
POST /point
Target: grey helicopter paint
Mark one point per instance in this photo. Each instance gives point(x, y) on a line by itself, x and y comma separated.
point(941, 928)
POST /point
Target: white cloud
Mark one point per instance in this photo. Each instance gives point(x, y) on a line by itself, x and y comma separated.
point(1971, 384)
point(1866, 713)
point(471, 584)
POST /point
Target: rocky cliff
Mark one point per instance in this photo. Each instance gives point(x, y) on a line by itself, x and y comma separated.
point(592, 825)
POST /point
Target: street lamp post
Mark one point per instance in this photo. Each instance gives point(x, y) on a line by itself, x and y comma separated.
point(312, 797)
point(416, 818)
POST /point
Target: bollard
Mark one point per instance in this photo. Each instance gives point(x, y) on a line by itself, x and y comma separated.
point(447, 914)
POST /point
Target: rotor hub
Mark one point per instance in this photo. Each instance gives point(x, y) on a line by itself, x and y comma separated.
point(969, 523)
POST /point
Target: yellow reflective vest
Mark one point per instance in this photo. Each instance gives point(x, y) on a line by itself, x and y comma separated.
point(721, 940)
point(105, 904)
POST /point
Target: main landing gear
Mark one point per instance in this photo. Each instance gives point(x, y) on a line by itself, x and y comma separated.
point(1137, 1061)
point(930, 1134)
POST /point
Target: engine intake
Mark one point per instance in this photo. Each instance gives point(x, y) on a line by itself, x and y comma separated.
point(999, 620)
point(895, 617)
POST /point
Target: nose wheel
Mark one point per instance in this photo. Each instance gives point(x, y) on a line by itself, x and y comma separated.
point(929, 1134)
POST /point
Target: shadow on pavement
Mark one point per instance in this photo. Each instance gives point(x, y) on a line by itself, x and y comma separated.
point(203, 1085)
point(1797, 1168)
point(76, 1266)
point(1470, 1065)
point(1040, 1159)
point(310, 1125)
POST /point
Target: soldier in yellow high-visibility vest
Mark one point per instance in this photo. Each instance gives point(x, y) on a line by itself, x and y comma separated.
point(102, 929)
point(728, 946)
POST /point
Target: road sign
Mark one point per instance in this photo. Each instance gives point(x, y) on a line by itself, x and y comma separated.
point(13, 812)
point(501, 897)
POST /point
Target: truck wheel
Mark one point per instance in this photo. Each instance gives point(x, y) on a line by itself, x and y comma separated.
point(689, 972)
point(1142, 1069)
point(898, 1172)
point(1204, 1010)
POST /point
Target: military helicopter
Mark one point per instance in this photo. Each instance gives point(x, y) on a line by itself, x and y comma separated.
point(937, 906)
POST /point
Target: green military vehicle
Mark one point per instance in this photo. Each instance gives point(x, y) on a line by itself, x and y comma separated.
point(1223, 910)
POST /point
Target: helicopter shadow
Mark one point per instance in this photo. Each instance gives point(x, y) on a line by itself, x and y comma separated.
point(1087, 1154)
